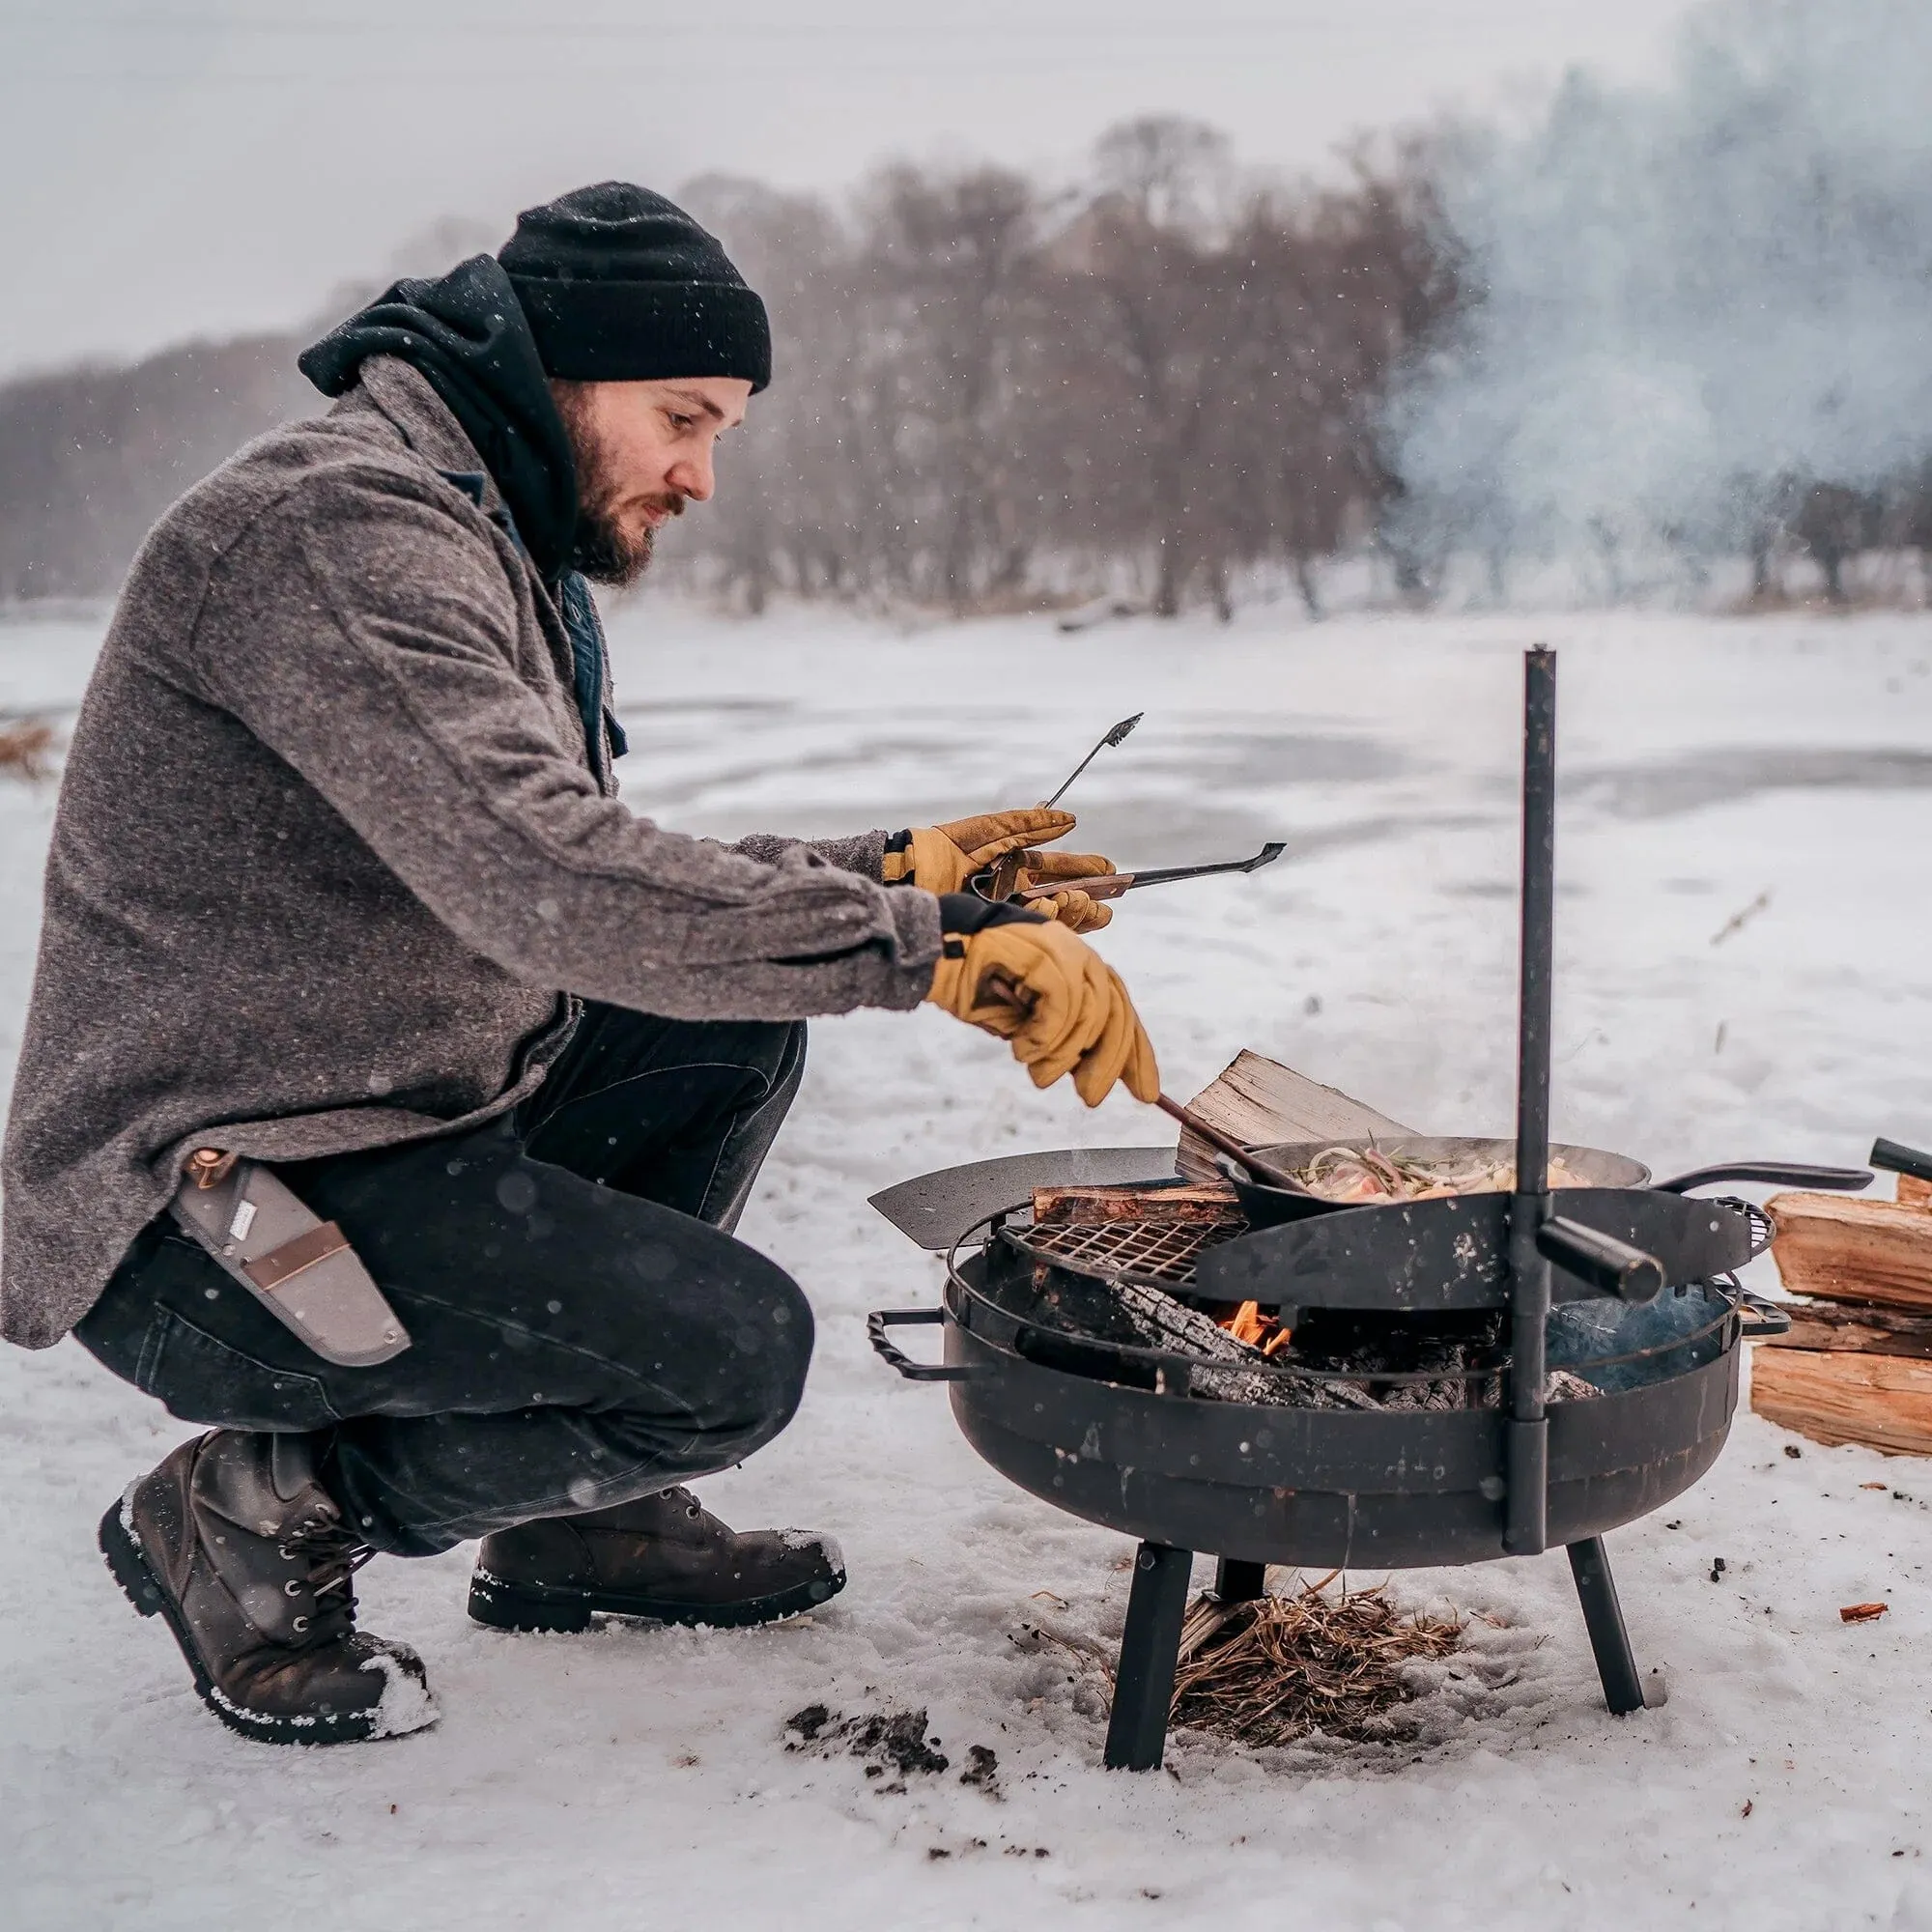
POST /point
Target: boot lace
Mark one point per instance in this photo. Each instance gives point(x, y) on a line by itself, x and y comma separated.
point(334, 1554)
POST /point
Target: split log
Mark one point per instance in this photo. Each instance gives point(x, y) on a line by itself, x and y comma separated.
point(1852, 1250)
point(1260, 1102)
point(1884, 1401)
point(1206, 1200)
point(1913, 1192)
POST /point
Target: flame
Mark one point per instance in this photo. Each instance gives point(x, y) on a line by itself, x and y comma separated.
point(1261, 1331)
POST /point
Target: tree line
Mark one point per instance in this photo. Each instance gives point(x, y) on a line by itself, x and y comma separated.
point(1142, 388)
point(988, 390)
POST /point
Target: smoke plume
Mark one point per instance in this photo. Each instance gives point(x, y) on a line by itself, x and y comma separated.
point(1690, 304)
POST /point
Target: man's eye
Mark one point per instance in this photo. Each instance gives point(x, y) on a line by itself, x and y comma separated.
point(678, 422)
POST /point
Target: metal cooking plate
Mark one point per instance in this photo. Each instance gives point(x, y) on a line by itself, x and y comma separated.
point(1453, 1253)
point(936, 1208)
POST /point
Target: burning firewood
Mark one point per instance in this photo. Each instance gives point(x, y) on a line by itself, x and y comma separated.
point(1238, 1357)
point(1231, 1368)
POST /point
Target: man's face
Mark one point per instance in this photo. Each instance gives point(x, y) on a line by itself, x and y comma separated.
point(643, 450)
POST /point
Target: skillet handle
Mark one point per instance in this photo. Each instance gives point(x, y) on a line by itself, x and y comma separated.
point(882, 1319)
point(1609, 1265)
point(1777, 1172)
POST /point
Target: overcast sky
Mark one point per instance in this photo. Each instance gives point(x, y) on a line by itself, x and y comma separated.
point(184, 167)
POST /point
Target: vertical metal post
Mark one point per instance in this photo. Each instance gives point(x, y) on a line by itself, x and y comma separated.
point(1238, 1582)
point(1149, 1649)
point(1603, 1619)
point(1525, 1530)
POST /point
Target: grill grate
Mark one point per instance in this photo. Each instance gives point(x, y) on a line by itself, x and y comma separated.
point(1154, 1250)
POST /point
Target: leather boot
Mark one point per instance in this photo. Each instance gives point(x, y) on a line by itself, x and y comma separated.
point(663, 1556)
point(235, 1542)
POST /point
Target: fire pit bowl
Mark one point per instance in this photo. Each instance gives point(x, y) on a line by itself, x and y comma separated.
point(1117, 1435)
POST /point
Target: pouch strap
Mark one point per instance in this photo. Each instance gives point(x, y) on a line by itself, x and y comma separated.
point(271, 1270)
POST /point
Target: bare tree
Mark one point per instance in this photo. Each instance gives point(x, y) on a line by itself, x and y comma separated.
point(950, 265)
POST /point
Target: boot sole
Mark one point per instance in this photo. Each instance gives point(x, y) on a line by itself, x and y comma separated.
point(546, 1607)
point(128, 1564)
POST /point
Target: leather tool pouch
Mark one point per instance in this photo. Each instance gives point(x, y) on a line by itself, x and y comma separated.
point(301, 1269)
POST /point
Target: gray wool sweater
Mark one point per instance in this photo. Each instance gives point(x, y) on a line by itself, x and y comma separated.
point(332, 854)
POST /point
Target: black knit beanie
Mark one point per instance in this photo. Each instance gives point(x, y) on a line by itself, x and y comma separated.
point(621, 286)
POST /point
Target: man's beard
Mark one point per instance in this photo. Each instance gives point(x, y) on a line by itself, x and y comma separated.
point(603, 549)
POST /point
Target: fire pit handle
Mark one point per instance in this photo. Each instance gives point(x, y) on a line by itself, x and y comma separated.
point(1764, 1319)
point(1775, 1173)
point(1609, 1264)
point(882, 1319)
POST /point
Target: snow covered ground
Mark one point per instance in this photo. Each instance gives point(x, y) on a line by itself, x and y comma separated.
point(639, 1777)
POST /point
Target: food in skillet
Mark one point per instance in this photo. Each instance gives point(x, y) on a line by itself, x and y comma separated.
point(1364, 1173)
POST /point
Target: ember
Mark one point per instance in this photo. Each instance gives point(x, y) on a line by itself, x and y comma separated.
point(1259, 1331)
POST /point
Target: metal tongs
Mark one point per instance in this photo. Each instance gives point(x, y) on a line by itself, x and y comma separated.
point(1001, 880)
point(1111, 885)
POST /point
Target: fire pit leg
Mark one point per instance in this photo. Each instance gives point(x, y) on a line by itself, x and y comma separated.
point(1603, 1619)
point(1150, 1648)
point(1238, 1582)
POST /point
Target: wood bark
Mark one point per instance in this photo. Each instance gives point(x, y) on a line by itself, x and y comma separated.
point(1857, 1328)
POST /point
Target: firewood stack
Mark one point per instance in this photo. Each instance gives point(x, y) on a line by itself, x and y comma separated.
point(1857, 1366)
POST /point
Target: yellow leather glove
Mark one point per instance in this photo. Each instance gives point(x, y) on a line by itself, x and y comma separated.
point(943, 858)
point(1074, 910)
point(1060, 1004)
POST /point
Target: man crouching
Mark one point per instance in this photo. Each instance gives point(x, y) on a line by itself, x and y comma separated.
point(389, 1091)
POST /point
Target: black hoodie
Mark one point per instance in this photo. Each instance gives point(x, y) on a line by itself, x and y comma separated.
point(466, 333)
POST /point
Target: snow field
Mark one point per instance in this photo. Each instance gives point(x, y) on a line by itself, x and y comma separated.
point(636, 1777)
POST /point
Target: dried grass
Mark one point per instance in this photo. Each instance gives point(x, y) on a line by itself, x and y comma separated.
point(1278, 1669)
point(26, 748)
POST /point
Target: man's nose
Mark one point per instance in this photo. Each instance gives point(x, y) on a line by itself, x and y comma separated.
point(693, 478)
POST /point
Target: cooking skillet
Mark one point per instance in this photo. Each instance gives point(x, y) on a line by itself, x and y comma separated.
point(1268, 1207)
